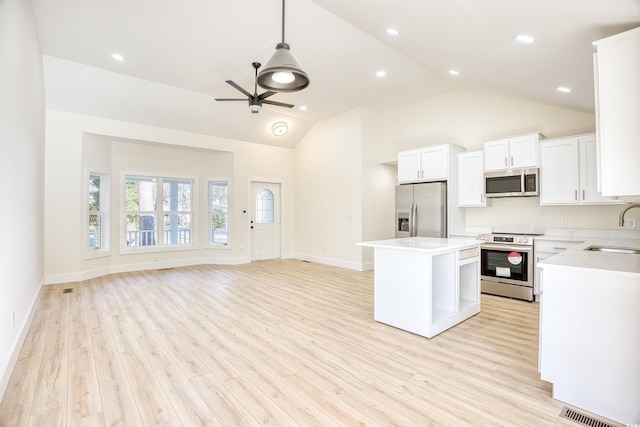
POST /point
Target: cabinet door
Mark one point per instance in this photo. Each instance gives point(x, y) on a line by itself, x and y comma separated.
point(523, 151)
point(435, 163)
point(409, 166)
point(496, 155)
point(471, 190)
point(618, 108)
point(559, 174)
point(589, 172)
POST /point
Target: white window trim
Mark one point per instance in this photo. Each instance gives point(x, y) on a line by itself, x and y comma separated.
point(105, 208)
point(208, 243)
point(160, 247)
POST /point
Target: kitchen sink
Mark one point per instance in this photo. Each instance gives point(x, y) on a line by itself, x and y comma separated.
point(613, 249)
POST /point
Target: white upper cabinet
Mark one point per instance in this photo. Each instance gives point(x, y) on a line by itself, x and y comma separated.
point(559, 172)
point(617, 83)
point(568, 172)
point(409, 166)
point(426, 164)
point(471, 179)
point(511, 153)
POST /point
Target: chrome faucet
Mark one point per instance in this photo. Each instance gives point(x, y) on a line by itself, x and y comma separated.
point(624, 211)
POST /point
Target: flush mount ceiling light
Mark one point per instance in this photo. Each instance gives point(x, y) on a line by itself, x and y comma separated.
point(454, 72)
point(279, 128)
point(282, 72)
point(117, 57)
point(524, 38)
point(381, 73)
point(563, 89)
point(392, 31)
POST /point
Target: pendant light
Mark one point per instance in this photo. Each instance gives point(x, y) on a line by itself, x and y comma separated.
point(282, 73)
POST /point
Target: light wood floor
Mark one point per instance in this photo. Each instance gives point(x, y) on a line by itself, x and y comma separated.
point(270, 343)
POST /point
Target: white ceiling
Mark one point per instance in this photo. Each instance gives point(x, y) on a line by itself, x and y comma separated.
point(184, 50)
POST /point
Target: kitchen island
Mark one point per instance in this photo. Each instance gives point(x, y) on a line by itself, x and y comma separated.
point(425, 285)
point(590, 328)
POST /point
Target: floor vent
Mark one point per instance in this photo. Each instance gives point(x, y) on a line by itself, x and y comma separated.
point(304, 260)
point(165, 269)
point(67, 291)
point(583, 419)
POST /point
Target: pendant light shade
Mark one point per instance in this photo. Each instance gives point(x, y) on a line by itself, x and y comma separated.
point(282, 73)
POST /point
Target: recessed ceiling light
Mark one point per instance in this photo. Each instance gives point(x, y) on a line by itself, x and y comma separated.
point(381, 73)
point(392, 31)
point(117, 57)
point(303, 107)
point(524, 38)
point(454, 72)
point(563, 89)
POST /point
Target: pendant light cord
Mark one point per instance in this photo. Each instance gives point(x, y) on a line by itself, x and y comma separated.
point(282, 21)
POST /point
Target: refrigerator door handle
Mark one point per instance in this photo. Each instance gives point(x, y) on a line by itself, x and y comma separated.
point(413, 218)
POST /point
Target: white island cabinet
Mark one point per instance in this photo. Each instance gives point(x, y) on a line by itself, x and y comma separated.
point(425, 285)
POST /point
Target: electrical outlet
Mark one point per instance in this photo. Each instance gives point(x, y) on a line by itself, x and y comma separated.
point(13, 319)
point(632, 222)
point(564, 223)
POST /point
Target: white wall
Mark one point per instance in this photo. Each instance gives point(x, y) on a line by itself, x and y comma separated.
point(76, 141)
point(468, 119)
point(22, 111)
point(341, 191)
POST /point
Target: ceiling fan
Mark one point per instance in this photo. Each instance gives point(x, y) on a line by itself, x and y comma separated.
point(255, 100)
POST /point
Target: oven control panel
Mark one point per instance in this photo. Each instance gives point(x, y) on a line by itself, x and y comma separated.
point(507, 239)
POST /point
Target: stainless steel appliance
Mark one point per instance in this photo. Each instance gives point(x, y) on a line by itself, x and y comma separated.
point(512, 183)
point(421, 210)
point(507, 265)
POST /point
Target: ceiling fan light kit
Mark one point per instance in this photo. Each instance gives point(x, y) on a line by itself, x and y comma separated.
point(282, 72)
point(255, 100)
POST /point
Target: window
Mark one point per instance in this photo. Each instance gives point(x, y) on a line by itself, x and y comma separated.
point(264, 206)
point(151, 213)
point(219, 212)
point(97, 216)
point(176, 206)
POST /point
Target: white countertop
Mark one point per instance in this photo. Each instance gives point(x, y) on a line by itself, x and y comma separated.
point(423, 244)
point(576, 258)
point(577, 235)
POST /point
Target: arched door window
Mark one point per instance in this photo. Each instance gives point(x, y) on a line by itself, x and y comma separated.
point(264, 206)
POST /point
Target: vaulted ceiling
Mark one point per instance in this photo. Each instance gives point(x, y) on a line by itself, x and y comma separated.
point(178, 54)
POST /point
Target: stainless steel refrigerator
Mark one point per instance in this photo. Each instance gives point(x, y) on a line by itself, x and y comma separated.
point(421, 210)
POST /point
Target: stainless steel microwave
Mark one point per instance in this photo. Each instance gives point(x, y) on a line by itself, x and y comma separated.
point(512, 183)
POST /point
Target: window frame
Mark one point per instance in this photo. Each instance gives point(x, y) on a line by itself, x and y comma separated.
point(159, 212)
point(104, 211)
point(210, 212)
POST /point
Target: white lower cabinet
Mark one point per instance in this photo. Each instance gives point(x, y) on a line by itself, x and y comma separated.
point(569, 172)
point(543, 249)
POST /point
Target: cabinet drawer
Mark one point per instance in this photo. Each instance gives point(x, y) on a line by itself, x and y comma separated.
point(553, 246)
point(468, 253)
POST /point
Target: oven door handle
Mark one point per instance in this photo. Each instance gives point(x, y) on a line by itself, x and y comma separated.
point(506, 248)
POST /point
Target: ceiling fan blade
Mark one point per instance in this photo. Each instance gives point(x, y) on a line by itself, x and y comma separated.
point(267, 94)
point(235, 85)
point(231, 99)
point(279, 104)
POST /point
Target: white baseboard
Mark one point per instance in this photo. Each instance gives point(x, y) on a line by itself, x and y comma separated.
point(330, 261)
point(17, 345)
point(127, 268)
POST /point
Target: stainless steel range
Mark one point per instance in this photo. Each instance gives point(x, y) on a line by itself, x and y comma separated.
point(507, 266)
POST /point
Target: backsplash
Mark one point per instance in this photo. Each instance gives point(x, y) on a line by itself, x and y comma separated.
point(508, 213)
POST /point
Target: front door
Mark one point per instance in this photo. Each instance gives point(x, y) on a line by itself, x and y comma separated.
point(265, 220)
